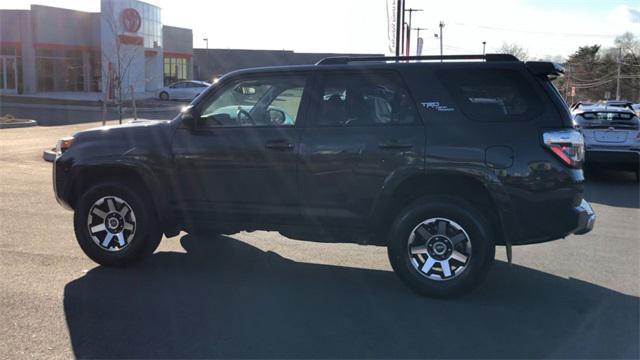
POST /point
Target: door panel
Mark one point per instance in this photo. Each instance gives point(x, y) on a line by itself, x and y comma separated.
point(366, 129)
point(240, 163)
point(231, 174)
point(342, 170)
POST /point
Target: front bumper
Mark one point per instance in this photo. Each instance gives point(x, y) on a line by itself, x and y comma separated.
point(586, 218)
point(60, 176)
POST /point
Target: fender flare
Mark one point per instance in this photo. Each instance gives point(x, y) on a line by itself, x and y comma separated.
point(157, 191)
point(488, 179)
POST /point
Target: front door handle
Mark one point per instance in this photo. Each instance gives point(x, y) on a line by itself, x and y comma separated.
point(279, 145)
point(392, 145)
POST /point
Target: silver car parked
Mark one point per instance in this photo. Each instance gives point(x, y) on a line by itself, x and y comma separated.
point(182, 90)
point(611, 135)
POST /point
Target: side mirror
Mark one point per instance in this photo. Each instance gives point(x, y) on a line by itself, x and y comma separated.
point(188, 117)
point(245, 90)
point(277, 117)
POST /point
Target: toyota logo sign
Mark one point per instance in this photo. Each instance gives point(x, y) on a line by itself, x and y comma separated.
point(131, 20)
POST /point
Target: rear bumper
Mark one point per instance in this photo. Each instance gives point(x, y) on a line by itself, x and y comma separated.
point(623, 158)
point(586, 218)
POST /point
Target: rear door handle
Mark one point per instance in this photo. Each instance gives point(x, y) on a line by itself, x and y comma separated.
point(392, 145)
point(279, 145)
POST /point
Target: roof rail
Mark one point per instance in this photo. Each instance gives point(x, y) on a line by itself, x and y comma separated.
point(341, 60)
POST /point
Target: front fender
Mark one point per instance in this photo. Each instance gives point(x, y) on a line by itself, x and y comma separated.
point(148, 177)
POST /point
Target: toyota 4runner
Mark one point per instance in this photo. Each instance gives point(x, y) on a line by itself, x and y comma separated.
point(439, 159)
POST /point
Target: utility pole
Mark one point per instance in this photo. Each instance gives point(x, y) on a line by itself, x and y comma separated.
point(418, 29)
point(206, 40)
point(398, 23)
point(411, 11)
point(618, 77)
point(441, 25)
point(484, 47)
point(567, 82)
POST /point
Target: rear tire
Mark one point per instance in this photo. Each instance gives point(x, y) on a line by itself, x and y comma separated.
point(114, 224)
point(441, 246)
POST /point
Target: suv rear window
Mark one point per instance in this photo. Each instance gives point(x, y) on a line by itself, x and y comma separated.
point(492, 94)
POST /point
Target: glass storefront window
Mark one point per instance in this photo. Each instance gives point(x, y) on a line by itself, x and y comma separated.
point(59, 70)
point(151, 28)
point(175, 69)
point(95, 61)
point(10, 68)
point(8, 50)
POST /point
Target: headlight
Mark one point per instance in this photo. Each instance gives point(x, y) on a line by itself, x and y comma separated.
point(64, 144)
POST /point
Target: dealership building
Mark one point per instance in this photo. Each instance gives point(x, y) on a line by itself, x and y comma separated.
point(46, 49)
point(54, 52)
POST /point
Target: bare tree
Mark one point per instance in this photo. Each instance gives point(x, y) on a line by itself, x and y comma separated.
point(629, 43)
point(513, 49)
point(122, 56)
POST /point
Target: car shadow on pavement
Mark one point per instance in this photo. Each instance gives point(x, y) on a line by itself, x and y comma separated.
point(226, 298)
point(613, 188)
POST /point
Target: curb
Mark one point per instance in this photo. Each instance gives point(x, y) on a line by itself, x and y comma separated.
point(49, 155)
point(22, 124)
point(88, 108)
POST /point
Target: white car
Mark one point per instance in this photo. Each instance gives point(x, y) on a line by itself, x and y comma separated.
point(182, 90)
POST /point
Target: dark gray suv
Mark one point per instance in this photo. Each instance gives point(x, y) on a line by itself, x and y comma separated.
point(439, 159)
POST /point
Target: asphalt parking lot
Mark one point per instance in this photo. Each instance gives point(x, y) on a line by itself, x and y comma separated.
point(261, 295)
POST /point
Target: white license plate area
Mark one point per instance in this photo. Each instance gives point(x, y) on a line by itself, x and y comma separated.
point(611, 136)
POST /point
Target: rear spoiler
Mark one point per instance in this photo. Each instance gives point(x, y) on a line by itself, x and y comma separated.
point(545, 68)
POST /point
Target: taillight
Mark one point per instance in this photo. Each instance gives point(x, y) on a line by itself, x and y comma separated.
point(567, 145)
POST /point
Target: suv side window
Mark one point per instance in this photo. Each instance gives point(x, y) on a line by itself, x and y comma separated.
point(364, 99)
point(264, 101)
point(492, 94)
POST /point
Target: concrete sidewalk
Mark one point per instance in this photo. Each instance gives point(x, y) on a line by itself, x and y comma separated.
point(49, 115)
point(75, 95)
point(95, 108)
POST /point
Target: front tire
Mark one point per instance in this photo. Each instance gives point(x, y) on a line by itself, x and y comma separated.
point(114, 224)
point(164, 96)
point(441, 246)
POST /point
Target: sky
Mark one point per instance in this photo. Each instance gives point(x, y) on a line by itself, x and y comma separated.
point(543, 27)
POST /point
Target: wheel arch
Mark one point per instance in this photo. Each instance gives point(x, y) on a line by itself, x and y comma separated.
point(489, 196)
point(86, 176)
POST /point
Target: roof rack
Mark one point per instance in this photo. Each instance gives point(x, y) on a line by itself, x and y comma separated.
point(341, 60)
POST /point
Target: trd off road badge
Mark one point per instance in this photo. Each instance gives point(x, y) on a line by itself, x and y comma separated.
point(435, 105)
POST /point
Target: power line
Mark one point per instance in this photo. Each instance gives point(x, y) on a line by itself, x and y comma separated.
point(592, 80)
point(495, 28)
point(603, 82)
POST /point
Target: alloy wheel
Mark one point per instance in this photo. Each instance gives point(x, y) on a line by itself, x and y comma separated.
point(439, 249)
point(111, 223)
